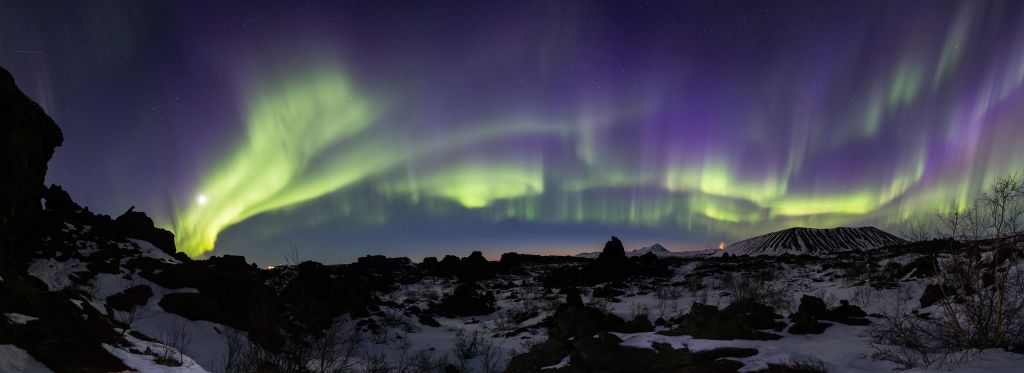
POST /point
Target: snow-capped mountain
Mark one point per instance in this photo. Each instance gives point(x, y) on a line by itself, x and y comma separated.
point(811, 241)
point(657, 250)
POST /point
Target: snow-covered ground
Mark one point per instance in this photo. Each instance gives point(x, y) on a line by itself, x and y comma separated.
point(401, 333)
point(16, 360)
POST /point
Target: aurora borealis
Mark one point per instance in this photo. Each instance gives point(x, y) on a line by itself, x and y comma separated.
point(423, 129)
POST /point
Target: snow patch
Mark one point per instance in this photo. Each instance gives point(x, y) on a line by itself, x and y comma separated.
point(20, 319)
point(55, 273)
point(151, 251)
point(561, 364)
point(136, 358)
point(14, 359)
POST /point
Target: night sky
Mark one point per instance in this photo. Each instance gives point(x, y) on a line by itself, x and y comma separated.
point(433, 127)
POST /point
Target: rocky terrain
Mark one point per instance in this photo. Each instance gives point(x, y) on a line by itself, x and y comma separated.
point(84, 292)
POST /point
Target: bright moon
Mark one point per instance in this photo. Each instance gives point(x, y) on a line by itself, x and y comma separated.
point(201, 199)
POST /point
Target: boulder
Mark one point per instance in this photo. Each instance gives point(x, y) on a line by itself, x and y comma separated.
point(193, 306)
point(805, 320)
point(934, 293)
point(922, 267)
point(428, 321)
point(805, 324)
point(812, 306)
point(572, 298)
point(467, 300)
point(846, 314)
point(742, 320)
point(130, 298)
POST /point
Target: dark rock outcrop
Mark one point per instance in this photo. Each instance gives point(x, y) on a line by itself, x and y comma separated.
point(805, 320)
point(922, 267)
point(847, 314)
point(467, 300)
point(934, 293)
point(28, 138)
point(136, 224)
point(193, 306)
point(613, 254)
point(812, 309)
point(607, 291)
point(130, 298)
point(581, 334)
point(743, 320)
point(428, 321)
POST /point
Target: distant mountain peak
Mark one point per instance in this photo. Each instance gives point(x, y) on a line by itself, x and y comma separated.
point(656, 249)
point(814, 241)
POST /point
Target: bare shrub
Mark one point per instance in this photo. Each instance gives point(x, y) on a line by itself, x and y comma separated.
point(336, 347)
point(976, 224)
point(377, 363)
point(599, 303)
point(490, 356)
point(866, 296)
point(917, 230)
point(291, 255)
point(758, 288)
point(810, 364)
point(241, 355)
point(1003, 205)
point(952, 220)
point(985, 311)
point(827, 297)
point(668, 300)
point(424, 361)
point(466, 348)
point(176, 340)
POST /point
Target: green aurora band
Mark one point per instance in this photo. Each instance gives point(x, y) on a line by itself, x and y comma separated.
point(312, 132)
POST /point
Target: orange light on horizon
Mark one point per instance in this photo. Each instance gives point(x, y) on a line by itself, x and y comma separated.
point(721, 245)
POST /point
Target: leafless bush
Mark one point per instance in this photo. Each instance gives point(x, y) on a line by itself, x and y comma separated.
point(128, 318)
point(668, 299)
point(748, 288)
point(291, 255)
point(898, 336)
point(466, 348)
point(917, 230)
point(976, 224)
point(639, 308)
point(176, 340)
point(866, 295)
point(810, 364)
point(377, 363)
point(336, 347)
point(986, 310)
point(1003, 205)
point(952, 220)
point(601, 304)
point(241, 355)
point(827, 297)
point(490, 356)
